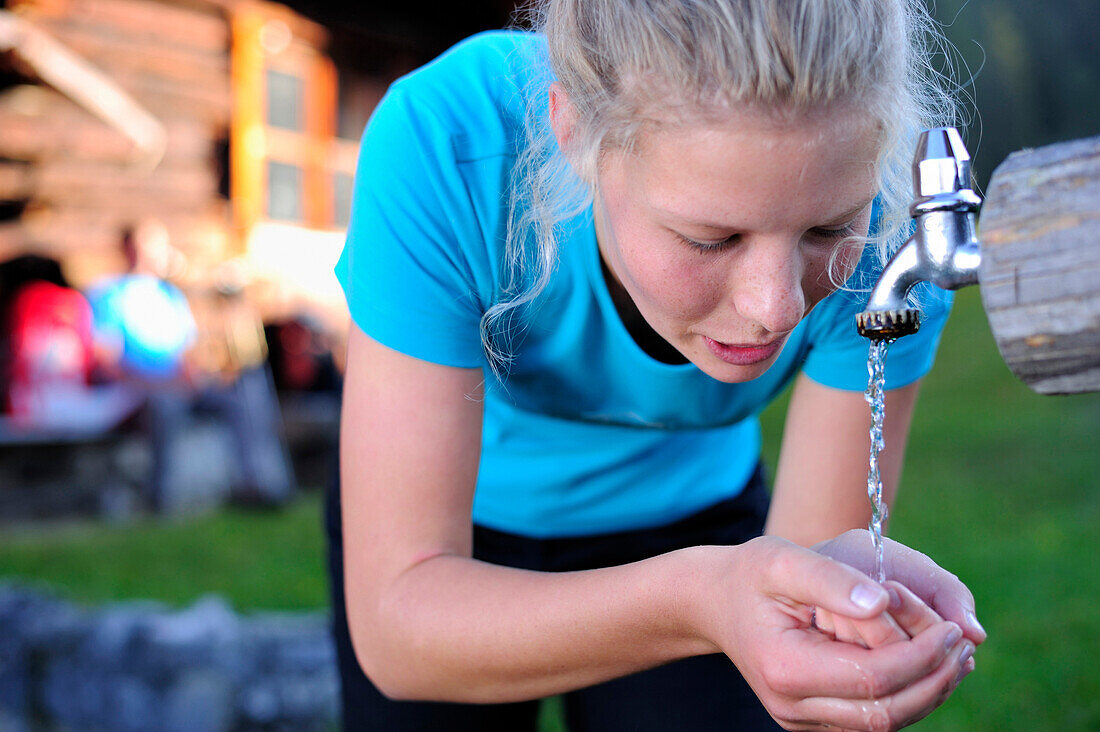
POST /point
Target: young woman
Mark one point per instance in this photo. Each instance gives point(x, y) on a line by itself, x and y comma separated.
point(580, 262)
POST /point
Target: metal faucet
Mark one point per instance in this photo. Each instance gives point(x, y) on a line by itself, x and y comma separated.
point(944, 249)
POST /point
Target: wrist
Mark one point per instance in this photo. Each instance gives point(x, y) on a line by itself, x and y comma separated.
point(704, 577)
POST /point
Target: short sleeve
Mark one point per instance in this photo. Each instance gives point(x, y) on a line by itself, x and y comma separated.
point(413, 242)
point(106, 325)
point(838, 353)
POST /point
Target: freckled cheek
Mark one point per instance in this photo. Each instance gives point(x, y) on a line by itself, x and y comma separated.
point(676, 286)
point(825, 274)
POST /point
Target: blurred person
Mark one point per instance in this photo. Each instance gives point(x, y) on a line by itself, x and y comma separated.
point(145, 329)
point(238, 385)
point(144, 322)
point(579, 263)
point(301, 358)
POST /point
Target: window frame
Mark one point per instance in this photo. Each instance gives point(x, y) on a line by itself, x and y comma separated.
point(271, 38)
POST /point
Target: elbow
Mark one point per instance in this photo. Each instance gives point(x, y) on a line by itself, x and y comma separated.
point(410, 651)
point(388, 653)
point(403, 671)
point(375, 632)
point(394, 678)
point(398, 690)
point(388, 684)
point(399, 678)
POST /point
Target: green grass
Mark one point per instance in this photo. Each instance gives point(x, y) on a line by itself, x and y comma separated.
point(256, 560)
point(1001, 486)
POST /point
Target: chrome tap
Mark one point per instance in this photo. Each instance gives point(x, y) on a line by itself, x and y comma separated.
point(944, 249)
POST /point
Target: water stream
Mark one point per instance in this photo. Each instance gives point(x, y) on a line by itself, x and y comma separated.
point(876, 370)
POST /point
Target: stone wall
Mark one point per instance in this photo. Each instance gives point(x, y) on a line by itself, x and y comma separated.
point(141, 666)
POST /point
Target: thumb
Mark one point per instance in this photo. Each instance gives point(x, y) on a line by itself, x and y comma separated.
point(807, 577)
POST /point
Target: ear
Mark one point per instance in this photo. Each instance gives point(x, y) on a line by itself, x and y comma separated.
point(563, 116)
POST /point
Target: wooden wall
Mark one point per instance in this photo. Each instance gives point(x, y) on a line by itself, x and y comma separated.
point(79, 177)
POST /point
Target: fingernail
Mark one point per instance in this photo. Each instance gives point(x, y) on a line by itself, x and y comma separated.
point(866, 596)
point(953, 637)
point(963, 658)
point(972, 621)
point(895, 599)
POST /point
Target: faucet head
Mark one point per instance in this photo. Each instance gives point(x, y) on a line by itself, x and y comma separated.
point(942, 173)
point(941, 163)
point(942, 251)
point(889, 325)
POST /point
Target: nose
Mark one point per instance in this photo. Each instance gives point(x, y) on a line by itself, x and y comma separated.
point(767, 287)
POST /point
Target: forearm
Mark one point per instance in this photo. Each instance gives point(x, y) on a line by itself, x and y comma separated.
point(820, 485)
point(456, 629)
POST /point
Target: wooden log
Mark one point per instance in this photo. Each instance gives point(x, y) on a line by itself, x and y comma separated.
point(200, 25)
point(168, 100)
point(116, 50)
point(1040, 274)
point(72, 75)
point(73, 135)
point(170, 80)
point(74, 182)
point(16, 181)
point(14, 239)
point(41, 124)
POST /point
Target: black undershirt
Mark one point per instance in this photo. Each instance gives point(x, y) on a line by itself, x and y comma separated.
point(647, 339)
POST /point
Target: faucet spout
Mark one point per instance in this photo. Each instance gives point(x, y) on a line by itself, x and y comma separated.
point(944, 248)
point(902, 272)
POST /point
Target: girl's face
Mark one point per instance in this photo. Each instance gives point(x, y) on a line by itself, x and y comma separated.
point(725, 236)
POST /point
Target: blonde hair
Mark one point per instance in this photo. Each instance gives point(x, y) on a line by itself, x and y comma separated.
point(623, 63)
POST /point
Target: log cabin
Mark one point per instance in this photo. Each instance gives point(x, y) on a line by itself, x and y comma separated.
point(232, 122)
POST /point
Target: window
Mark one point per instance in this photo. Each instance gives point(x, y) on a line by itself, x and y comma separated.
point(287, 164)
point(284, 191)
point(285, 100)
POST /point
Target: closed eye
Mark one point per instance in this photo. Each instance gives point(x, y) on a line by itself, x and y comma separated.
point(832, 234)
point(709, 246)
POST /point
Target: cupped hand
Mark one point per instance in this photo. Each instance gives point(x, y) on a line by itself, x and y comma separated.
point(906, 615)
point(763, 617)
point(935, 586)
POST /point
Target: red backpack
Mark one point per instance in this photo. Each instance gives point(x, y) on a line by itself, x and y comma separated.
point(51, 344)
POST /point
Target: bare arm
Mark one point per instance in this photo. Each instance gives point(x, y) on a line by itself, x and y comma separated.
point(821, 479)
point(429, 622)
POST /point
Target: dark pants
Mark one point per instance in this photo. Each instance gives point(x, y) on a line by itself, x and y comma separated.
point(696, 694)
point(249, 405)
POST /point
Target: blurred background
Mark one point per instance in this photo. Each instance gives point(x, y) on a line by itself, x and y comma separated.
point(175, 177)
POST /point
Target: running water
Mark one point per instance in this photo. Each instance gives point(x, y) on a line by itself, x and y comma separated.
point(876, 370)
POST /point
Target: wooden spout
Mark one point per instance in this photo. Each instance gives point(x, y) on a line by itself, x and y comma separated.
point(1040, 272)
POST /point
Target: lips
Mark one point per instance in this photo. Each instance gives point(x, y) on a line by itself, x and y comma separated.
point(743, 355)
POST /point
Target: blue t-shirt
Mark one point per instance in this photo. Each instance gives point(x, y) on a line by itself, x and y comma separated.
point(147, 320)
point(588, 433)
